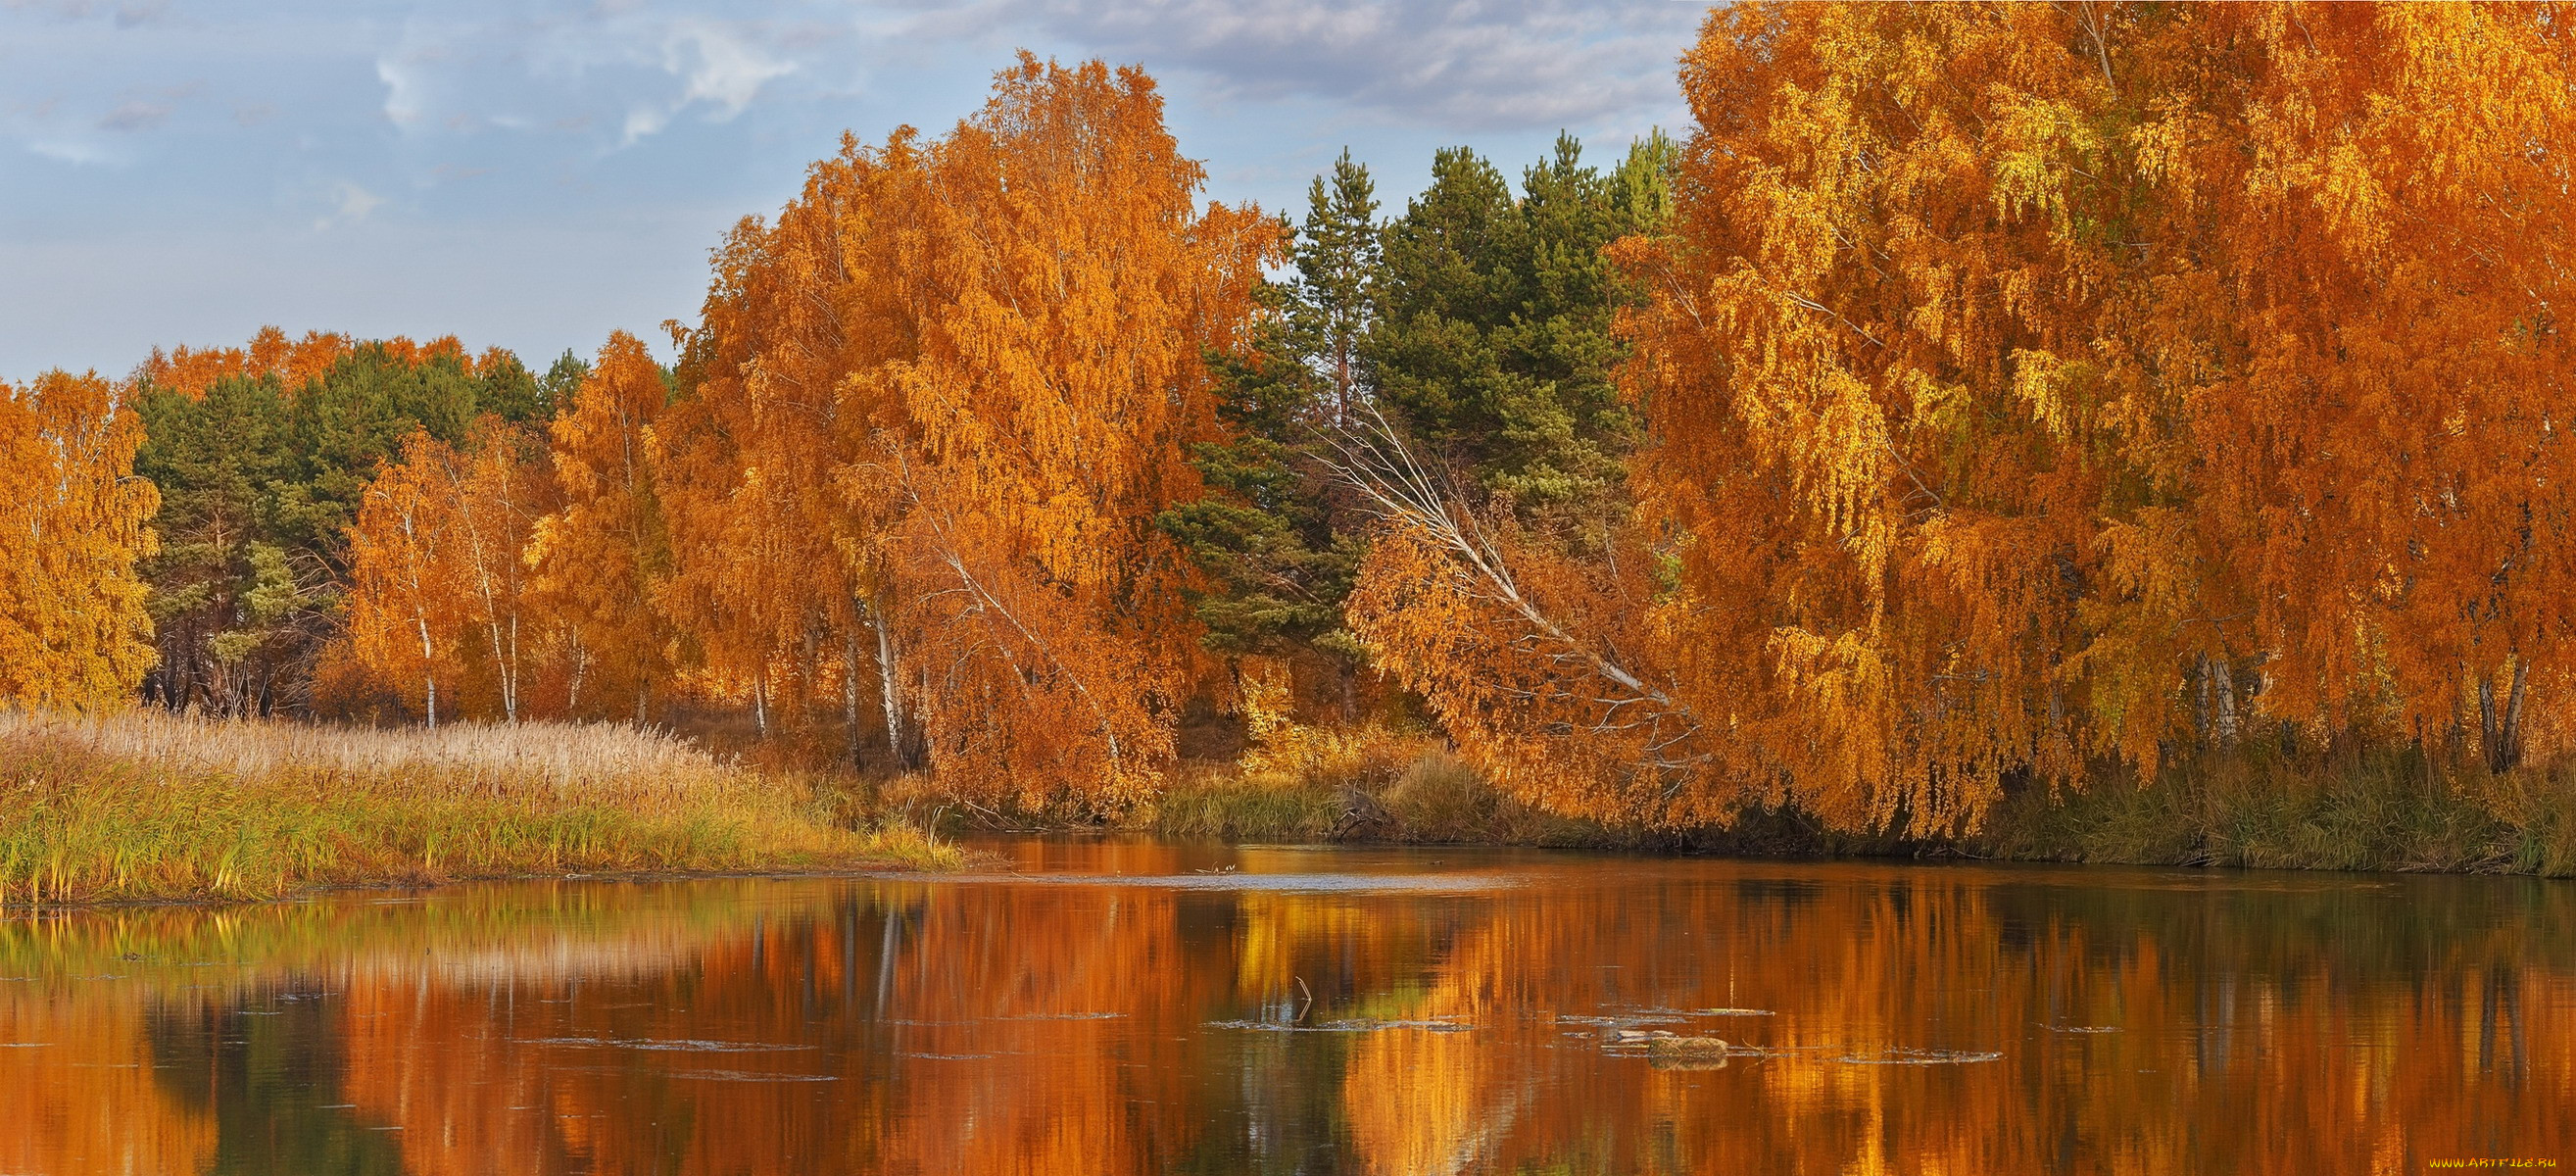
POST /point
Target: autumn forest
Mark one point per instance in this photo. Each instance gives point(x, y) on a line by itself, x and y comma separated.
point(1971, 404)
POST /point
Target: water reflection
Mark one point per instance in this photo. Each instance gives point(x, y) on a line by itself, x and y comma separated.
point(1136, 1008)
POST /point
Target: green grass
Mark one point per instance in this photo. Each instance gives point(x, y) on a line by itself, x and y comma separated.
point(148, 807)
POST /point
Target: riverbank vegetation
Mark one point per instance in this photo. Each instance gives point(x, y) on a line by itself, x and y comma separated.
point(2124, 432)
point(143, 805)
point(2384, 812)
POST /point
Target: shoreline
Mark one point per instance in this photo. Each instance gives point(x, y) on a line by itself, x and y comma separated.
point(2394, 813)
point(146, 808)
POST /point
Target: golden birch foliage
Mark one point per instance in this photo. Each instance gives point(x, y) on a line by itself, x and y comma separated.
point(408, 599)
point(771, 578)
point(497, 490)
point(1535, 662)
point(440, 600)
point(597, 559)
point(293, 362)
point(2034, 384)
point(1059, 291)
point(924, 428)
point(73, 523)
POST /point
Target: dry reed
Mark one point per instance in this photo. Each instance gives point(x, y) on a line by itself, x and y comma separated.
point(146, 805)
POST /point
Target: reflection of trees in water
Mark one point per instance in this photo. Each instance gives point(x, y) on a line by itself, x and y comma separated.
point(1055, 1028)
point(106, 1115)
point(2254, 1031)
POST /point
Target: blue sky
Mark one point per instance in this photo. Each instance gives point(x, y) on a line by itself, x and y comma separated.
point(536, 174)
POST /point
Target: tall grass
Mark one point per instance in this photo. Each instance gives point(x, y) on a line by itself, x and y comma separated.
point(145, 805)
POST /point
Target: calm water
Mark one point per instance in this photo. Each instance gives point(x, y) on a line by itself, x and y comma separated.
point(1132, 1008)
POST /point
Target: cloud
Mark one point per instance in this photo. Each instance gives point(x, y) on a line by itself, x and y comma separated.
point(585, 118)
point(135, 116)
point(75, 151)
point(406, 90)
point(1468, 64)
point(134, 14)
point(632, 67)
point(720, 67)
point(351, 205)
point(643, 121)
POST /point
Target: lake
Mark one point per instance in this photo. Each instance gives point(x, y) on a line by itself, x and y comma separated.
point(1131, 1007)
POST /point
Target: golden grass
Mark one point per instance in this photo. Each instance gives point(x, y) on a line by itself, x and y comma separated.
point(145, 805)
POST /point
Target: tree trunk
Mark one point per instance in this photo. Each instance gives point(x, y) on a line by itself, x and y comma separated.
point(2490, 739)
point(580, 666)
point(428, 678)
point(501, 671)
point(850, 692)
point(2200, 725)
point(2513, 713)
point(2226, 703)
point(2502, 735)
point(510, 678)
point(898, 741)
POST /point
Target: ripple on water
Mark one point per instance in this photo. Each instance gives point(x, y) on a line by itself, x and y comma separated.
point(658, 1044)
point(1284, 883)
point(1362, 1025)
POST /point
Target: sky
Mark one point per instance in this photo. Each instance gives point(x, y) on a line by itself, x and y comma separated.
point(533, 174)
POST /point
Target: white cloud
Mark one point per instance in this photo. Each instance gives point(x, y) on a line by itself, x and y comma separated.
point(643, 121)
point(406, 98)
point(725, 70)
point(634, 67)
point(1471, 64)
point(682, 114)
point(351, 205)
point(75, 151)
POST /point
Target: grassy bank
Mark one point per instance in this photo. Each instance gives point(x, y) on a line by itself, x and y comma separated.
point(2391, 811)
point(2387, 811)
point(145, 806)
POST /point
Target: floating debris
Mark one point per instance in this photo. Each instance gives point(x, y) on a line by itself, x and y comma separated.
point(1918, 1057)
point(1621, 1022)
point(1668, 1050)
